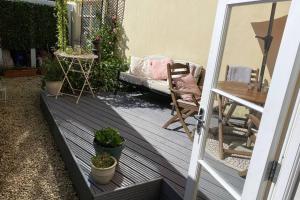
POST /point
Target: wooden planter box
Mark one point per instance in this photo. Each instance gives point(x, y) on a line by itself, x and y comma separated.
point(22, 72)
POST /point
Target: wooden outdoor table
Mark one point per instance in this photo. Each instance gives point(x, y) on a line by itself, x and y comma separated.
point(242, 91)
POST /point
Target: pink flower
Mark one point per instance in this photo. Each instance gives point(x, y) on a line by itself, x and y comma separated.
point(97, 37)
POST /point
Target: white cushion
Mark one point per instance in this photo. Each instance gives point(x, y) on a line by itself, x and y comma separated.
point(158, 85)
point(130, 78)
point(136, 66)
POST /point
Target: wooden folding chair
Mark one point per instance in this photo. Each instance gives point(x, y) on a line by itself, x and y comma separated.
point(183, 109)
point(253, 123)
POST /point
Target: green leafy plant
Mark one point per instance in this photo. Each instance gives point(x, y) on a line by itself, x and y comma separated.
point(62, 22)
point(108, 137)
point(103, 160)
point(53, 71)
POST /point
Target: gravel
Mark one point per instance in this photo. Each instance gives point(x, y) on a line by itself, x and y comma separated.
point(30, 164)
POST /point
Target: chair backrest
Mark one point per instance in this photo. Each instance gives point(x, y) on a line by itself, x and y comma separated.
point(253, 78)
point(176, 70)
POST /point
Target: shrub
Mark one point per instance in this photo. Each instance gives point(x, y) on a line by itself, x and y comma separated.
point(53, 70)
point(103, 160)
point(108, 137)
point(25, 25)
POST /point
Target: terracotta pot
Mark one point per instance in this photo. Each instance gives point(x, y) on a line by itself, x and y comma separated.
point(53, 87)
point(103, 175)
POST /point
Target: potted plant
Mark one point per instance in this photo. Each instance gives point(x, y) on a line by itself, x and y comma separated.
point(96, 45)
point(109, 140)
point(53, 76)
point(103, 168)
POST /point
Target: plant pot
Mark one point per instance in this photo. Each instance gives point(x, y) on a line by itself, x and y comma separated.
point(103, 175)
point(96, 49)
point(53, 87)
point(113, 151)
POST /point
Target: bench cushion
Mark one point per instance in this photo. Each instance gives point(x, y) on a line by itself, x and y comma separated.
point(130, 78)
point(158, 85)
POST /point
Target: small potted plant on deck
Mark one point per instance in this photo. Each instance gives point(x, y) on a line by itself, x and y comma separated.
point(109, 140)
point(103, 168)
point(53, 76)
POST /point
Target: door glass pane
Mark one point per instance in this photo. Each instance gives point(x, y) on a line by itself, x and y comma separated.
point(234, 126)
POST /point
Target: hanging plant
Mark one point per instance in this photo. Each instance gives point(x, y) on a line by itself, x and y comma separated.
point(62, 23)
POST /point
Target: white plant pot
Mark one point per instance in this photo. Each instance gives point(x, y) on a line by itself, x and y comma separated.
point(103, 175)
point(53, 87)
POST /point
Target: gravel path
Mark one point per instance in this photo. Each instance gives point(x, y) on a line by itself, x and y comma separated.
point(30, 164)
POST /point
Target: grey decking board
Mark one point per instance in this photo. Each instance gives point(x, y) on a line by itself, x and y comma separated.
point(141, 126)
point(155, 165)
point(210, 191)
point(149, 153)
point(181, 139)
point(206, 183)
point(78, 179)
point(148, 164)
point(142, 191)
point(134, 164)
point(85, 155)
point(138, 135)
point(123, 169)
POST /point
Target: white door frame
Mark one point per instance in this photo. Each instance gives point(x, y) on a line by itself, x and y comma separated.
point(289, 159)
point(274, 113)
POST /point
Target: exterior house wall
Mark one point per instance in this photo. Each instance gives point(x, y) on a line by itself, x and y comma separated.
point(182, 30)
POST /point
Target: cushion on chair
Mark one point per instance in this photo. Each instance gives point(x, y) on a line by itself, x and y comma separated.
point(158, 68)
point(187, 83)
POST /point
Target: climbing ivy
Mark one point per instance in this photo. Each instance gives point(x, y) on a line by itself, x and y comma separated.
point(62, 22)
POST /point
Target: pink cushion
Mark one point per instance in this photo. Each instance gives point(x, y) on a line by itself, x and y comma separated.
point(188, 83)
point(158, 68)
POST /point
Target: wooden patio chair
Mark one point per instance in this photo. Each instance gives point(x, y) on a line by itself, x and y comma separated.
point(224, 103)
point(233, 105)
point(184, 109)
point(253, 123)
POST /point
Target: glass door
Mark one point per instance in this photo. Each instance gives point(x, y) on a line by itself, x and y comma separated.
point(241, 116)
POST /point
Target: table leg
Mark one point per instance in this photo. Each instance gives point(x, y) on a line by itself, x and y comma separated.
point(88, 77)
point(220, 124)
point(65, 75)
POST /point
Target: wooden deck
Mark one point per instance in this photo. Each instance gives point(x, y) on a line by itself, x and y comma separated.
point(155, 161)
